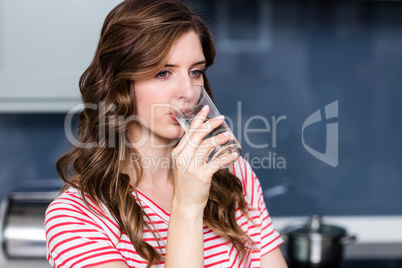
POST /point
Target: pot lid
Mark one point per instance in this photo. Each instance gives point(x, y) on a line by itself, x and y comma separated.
point(315, 226)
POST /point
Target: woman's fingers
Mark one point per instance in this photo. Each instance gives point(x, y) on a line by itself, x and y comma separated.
point(221, 161)
point(198, 120)
point(209, 144)
point(196, 136)
point(200, 156)
point(198, 130)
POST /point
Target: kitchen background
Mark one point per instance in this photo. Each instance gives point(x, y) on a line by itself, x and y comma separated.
point(278, 62)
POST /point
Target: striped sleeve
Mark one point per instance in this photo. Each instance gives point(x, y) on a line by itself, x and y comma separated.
point(266, 235)
point(76, 237)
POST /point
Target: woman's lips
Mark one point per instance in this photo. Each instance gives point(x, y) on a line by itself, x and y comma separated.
point(173, 117)
point(186, 112)
point(183, 112)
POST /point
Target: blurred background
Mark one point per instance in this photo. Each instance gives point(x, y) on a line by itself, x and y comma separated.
point(311, 89)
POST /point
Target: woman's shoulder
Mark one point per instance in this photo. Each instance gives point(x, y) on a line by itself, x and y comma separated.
point(69, 198)
point(242, 169)
point(251, 185)
point(71, 203)
point(76, 226)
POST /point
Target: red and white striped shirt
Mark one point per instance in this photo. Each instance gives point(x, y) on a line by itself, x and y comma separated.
point(77, 237)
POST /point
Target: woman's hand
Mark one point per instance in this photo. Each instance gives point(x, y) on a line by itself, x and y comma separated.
point(192, 181)
point(192, 174)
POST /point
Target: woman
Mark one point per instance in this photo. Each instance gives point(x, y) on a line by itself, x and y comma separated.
point(117, 212)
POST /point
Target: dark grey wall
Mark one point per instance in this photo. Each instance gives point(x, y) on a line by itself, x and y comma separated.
point(30, 146)
point(315, 54)
point(283, 61)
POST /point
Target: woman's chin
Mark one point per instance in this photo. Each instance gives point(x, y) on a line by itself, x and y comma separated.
point(173, 133)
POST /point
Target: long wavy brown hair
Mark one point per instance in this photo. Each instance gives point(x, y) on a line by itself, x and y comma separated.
point(134, 44)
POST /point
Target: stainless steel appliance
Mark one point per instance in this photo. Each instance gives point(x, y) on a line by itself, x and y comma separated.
point(23, 233)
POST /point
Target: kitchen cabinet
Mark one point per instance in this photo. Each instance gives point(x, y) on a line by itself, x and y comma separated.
point(45, 45)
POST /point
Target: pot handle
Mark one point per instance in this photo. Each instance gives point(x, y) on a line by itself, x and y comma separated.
point(348, 240)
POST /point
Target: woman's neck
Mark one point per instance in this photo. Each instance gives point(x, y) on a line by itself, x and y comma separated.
point(154, 155)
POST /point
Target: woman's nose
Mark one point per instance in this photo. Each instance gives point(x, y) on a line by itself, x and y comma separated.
point(186, 93)
point(186, 81)
point(185, 90)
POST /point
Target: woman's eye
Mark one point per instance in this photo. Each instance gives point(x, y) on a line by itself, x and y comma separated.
point(163, 74)
point(196, 73)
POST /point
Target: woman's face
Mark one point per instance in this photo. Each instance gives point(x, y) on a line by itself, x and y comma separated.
point(184, 68)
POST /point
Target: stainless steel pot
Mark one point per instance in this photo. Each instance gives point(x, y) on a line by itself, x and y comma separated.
point(23, 232)
point(316, 245)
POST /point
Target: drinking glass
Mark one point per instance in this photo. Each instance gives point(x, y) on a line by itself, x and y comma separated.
point(185, 106)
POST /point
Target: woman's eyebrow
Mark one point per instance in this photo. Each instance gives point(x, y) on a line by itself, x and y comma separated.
point(199, 63)
point(194, 64)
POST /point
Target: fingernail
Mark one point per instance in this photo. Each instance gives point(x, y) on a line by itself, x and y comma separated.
point(235, 154)
point(205, 107)
point(227, 133)
point(220, 117)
